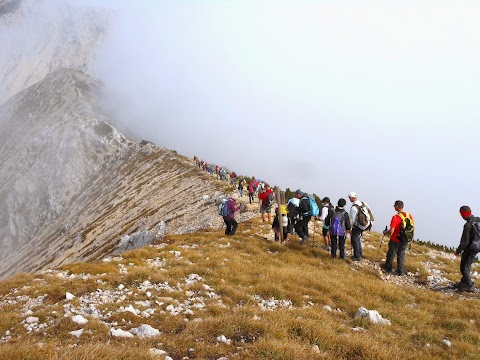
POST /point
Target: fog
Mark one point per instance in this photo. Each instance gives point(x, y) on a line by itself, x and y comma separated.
point(380, 98)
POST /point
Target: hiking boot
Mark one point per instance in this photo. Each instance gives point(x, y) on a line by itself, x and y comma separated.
point(304, 240)
point(400, 273)
point(355, 258)
point(465, 288)
point(383, 266)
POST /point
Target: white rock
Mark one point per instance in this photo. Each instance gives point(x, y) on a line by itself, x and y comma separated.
point(205, 197)
point(77, 333)
point(121, 287)
point(223, 358)
point(168, 358)
point(358, 328)
point(328, 308)
point(149, 294)
point(447, 342)
point(79, 319)
point(144, 331)
point(316, 349)
point(28, 312)
point(69, 296)
point(31, 320)
point(256, 318)
point(120, 333)
point(224, 340)
point(372, 315)
point(157, 352)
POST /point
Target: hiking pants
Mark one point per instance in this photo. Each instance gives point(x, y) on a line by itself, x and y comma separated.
point(356, 239)
point(398, 249)
point(340, 240)
point(466, 265)
point(250, 197)
point(301, 227)
point(231, 225)
point(240, 191)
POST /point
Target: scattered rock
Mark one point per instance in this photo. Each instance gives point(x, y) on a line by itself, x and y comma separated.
point(358, 329)
point(77, 333)
point(447, 343)
point(120, 333)
point(157, 352)
point(145, 331)
point(69, 296)
point(372, 315)
point(224, 340)
point(316, 349)
point(31, 320)
point(79, 319)
point(328, 308)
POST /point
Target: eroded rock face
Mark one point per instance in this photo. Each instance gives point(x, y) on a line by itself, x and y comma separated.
point(40, 37)
point(71, 185)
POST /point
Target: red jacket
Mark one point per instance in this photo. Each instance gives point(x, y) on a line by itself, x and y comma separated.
point(264, 196)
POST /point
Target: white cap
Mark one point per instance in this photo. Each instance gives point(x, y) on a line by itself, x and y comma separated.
point(352, 195)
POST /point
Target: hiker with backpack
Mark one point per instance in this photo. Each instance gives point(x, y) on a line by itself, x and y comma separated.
point(241, 184)
point(286, 225)
point(267, 198)
point(362, 219)
point(338, 223)
point(468, 248)
point(401, 233)
point(327, 209)
point(304, 211)
point(228, 209)
point(251, 190)
point(292, 213)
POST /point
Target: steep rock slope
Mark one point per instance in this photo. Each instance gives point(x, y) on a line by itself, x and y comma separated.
point(39, 37)
point(71, 185)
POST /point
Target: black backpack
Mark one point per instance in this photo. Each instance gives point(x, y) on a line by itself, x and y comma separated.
point(475, 244)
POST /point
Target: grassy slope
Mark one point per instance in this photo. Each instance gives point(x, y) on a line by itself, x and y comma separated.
point(249, 266)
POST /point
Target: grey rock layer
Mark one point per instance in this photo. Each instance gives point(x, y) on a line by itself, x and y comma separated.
point(71, 186)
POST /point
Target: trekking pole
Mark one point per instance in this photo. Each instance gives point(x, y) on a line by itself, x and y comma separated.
point(313, 237)
point(381, 241)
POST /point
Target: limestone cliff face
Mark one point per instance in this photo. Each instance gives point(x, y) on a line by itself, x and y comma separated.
point(71, 185)
point(38, 37)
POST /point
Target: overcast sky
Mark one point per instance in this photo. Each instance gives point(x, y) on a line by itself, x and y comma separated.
point(376, 97)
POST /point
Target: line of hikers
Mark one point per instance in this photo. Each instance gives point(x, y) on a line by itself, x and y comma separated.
point(337, 223)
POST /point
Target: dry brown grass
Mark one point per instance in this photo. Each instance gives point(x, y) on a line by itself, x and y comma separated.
point(250, 266)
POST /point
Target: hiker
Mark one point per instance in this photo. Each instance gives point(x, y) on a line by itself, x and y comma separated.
point(286, 225)
point(292, 206)
point(464, 249)
point(397, 245)
point(251, 190)
point(222, 174)
point(301, 226)
point(338, 223)
point(267, 198)
point(241, 183)
point(361, 218)
point(228, 214)
point(327, 209)
point(227, 177)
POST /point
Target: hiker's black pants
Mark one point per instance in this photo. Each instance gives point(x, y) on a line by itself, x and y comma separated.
point(340, 240)
point(301, 227)
point(466, 265)
point(250, 197)
point(230, 225)
point(399, 249)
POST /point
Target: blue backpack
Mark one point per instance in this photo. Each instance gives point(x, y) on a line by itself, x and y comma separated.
point(314, 210)
point(223, 208)
point(336, 224)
